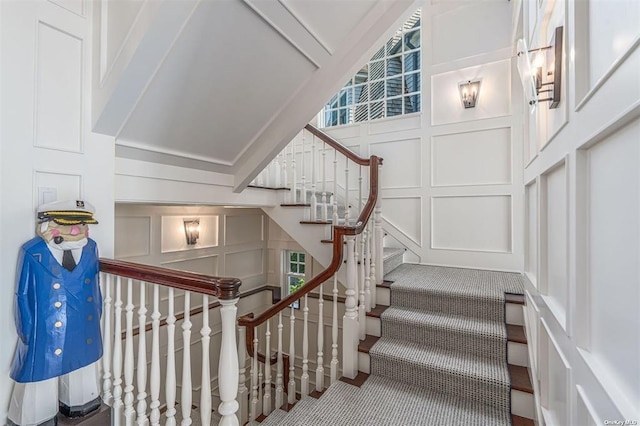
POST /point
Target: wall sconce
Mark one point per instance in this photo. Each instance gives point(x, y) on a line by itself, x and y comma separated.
point(545, 70)
point(192, 230)
point(469, 91)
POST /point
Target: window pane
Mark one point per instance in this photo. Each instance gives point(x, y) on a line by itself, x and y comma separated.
point(301, 269)
point(377, 70)
point(412, 40)
point(362, 76)
point(294, 267)
point(345, 97)
point(361, 113)
point(333, 103)
point(376, 110)
point(412, 83)
point(414, 21)
point(293, 256)
point(361, 93)
point(301, 257)
point(412, 61)
point(377, 90)
point(394, 87)
point(334, 118)
point(379, 54)
point(411, 104)
point(394, 45)
point(394, 107)
point(394, 65)
point(344, 116)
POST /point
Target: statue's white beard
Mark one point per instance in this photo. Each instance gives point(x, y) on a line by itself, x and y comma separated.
point(69, 245)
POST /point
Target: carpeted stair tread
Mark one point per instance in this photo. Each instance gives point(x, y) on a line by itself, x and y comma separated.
point(383, 402)
point(455, 333)
point(461, 292)
point(464, 375)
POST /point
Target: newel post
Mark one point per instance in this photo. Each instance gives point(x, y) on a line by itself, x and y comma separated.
point(228, 369)
point(350, 326)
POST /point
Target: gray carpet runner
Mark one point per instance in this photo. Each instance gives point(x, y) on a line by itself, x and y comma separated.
point(441, 358)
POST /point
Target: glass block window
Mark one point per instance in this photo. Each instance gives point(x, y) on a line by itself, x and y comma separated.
point(294, 272)
point(386, 86)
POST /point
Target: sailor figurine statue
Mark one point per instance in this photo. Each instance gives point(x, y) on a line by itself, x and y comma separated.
point(57, 314)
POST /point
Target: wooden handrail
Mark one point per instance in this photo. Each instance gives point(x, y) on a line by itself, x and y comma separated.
point(336, 261)
point(339, 147)
point(223, 288)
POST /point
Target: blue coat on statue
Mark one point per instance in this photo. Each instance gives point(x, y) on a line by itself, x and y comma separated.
point(57, 313)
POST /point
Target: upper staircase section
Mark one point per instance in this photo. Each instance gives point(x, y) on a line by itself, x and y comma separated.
point(218, 85)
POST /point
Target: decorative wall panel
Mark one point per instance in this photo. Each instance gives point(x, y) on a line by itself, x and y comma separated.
point(402, 159)
point(472, 223)
point(244, 264)
point(202, 265)
point(138, 232)
point(173, 237)
point(243, 229)
point(58, 106)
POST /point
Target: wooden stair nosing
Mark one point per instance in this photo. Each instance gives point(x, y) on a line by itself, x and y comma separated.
point(521, 421)
point(314, 222)
point(385, 284)
point(515, 333)
point(520, 379)
point(377, 311)
point(317, 394)
point(365, 345)
point(358, 381)
point(295, 205)
point(281, 188)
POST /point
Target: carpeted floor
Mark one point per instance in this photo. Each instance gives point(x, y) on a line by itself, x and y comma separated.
point(441, 358)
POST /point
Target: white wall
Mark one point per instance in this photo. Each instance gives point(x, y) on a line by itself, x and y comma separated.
point(582, 227)
point(451, 192)
point(46, 136)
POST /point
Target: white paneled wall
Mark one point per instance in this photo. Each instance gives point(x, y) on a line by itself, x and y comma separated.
point(46, 141)
point(451, 187)
point(582, 216)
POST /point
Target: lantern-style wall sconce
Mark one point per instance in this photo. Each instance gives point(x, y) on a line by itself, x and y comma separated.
point(192, 230)
point(469, 91)
point(542, 76)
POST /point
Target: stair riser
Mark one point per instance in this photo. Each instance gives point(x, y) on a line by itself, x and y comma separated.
point(442, 381)
point(373, 326)
point(440, 303)
point(514, 314)
point(448, 339)
point(522, 404)
point(364, 362)
point(392, 262)
point(383, 296)
point(517, 354)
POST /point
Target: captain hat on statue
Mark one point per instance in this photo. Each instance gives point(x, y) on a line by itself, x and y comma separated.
point(57, 313)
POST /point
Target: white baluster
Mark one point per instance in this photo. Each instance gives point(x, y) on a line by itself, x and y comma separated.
point(359, 204)
point(350, 328)
point(276, 171)
point(362, 308)
point(186, 391)
point(260, 388)
point(304, 379)
point(325, 215)
point(379, 242)
point(346, 192)
point(303, 181)
point(292, 358)
point(129, 412)
point(334, 332)
point(142, 358)
point(242, 381)
point(314, 198)
point(266, 400)
point(170, 387)
point(155, 359)
point(117, 356)
point(335, 189)
point(279, 367)
point(106, 358)
point(294, 178)
point(372, 261)
point(254, 377)
point(367, 268)
point(284, 179)
point(205, 382)
point(228, 366)
point(320, 344)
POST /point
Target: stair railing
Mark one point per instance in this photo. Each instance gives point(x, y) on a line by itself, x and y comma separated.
point(355, 244)
point(119, 280)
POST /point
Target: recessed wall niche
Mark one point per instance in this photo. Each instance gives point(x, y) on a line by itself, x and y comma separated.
point(173, 236)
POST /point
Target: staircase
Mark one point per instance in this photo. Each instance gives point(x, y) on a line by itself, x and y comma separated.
point(421, 364)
